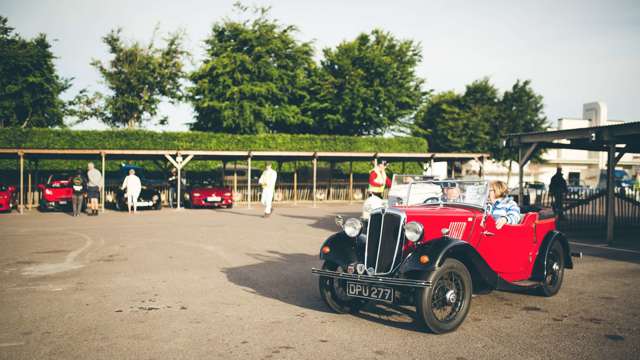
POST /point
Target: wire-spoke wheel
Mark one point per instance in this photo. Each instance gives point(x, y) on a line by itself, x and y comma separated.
point(334, 294)
point(444, 306)
point(554, 270)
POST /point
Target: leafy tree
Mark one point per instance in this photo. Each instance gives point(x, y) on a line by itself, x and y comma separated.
point(453, 122)
point(255, 79)
point(30, 88)
point(368, 85)
point(139, 78)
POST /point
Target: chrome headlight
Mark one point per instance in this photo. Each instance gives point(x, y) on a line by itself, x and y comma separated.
point(155, 198)
point(352, 227)
point(339, 221)
point(413, 231)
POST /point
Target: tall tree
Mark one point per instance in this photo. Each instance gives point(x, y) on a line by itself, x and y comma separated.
point(255, 79)
point(30, 87)
point(368, 85)
point(139, 78)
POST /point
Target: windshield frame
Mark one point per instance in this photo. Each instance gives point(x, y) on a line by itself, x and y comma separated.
point(484, 197)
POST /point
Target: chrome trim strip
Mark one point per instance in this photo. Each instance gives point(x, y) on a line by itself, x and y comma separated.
point(375, 269)
point(372, 279)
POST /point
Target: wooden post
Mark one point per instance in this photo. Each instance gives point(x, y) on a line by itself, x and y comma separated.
point(249, 182)
point(104, 176)
point(521, 164)
point(315, 174)
point(29, 195)
point(611, 158)
point(224, 173)
point(235, 177)
point(331, 167)
point(350, 182)
point(295, 183)
point(21, 203)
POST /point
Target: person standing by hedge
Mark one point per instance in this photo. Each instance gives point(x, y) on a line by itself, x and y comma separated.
point(378, 179)
point(78, 185)
point(268, 182)
point(93, 188)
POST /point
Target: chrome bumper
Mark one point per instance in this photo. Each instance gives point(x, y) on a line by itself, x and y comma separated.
point(372, 279)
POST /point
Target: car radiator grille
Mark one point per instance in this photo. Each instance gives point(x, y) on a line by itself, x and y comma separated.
point(385, 240)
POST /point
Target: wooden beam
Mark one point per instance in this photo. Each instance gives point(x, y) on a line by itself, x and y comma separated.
point(523, 159)
point(610, 208)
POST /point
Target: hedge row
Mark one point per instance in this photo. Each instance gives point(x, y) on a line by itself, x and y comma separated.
point(193, 140)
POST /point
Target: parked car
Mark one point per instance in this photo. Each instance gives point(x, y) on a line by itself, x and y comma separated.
point(149, 198)
point(56, 193)
point(208, 192)
point(436, 253)
point(621, 178)
point(7, 197)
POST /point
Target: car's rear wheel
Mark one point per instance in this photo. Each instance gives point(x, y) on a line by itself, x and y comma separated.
point(444, 305)
point(334, 294)
point(554, 271)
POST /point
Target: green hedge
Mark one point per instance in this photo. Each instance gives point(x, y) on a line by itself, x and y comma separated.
point(193, 140)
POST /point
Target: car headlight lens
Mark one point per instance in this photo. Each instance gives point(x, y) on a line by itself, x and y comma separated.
point(413, 231)
point(109, 198)
point(352, 227)
point(227, 194)
point(154, 198)
point(196, 194)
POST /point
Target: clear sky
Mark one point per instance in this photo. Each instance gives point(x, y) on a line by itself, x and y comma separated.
point(573, 51)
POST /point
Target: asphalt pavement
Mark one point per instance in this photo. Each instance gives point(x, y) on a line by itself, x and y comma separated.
point(207, 284)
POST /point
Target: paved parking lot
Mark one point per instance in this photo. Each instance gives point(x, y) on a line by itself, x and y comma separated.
point(230, 284)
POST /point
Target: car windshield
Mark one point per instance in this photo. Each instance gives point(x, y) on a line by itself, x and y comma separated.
point(206, 183)
point(472, 193)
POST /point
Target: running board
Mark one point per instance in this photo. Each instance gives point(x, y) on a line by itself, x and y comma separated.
point(517, 285)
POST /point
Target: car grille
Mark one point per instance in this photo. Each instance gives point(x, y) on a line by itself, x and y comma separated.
point(385, 240)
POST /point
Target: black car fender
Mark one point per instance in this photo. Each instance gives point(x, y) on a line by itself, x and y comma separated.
point(540, 265)
point(439, 250)
point(342, 249)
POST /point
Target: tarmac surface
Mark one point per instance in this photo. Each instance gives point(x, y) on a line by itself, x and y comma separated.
point(196, 284)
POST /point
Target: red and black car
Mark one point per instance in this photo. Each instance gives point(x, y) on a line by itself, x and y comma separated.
point(434, 251)
point(7, 197)
point(56, 193)
point(208, 192)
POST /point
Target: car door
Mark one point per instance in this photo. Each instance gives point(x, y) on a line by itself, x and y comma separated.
point(508, 250)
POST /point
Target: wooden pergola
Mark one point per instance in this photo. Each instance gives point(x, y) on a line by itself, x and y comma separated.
point(180, 158)
point(615, 140)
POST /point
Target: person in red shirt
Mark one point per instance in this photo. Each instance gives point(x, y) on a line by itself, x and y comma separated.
point(378, 179)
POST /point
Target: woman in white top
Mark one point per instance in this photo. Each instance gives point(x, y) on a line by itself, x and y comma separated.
point(133, 186)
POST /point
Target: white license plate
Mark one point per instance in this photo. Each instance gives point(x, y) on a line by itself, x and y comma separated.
point(144, 203)
point(373, 292)
point(62, 202)
point(213, 199)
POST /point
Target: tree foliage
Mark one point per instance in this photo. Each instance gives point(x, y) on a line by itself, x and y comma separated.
point(367, 85)
point(255, 79)
point(139, 78)
point(480, 119)
point(30, 87)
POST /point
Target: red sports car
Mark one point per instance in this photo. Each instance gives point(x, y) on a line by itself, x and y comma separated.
point(208, 193)
point(7, 197)
point(437, 249)
point(56, 193)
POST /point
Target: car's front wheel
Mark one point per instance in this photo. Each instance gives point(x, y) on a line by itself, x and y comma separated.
point(444, 305)
point(554, 271)
point(334, 294)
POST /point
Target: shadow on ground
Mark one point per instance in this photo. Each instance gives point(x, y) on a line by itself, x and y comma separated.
point(287, 278)
point(325, 222)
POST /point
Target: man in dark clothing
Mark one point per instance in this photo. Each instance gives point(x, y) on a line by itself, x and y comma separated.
point(78, 185)
point(558, 188)
point(173, 186)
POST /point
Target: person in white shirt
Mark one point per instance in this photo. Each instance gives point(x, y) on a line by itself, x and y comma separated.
point(268, 182)
point(133, 187)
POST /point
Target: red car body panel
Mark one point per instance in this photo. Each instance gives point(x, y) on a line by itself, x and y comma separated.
point(202, 196)
point(511, 251)
point(56, 193)
point(7, 194)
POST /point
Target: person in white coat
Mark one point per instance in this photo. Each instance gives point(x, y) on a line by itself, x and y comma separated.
point(268, 182)
point(133, 187)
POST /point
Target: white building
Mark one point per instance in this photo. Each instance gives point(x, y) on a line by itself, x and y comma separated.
point(578, 166)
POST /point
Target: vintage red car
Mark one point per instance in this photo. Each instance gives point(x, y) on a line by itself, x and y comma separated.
point(208, 192)
point(7, 197)
point(433, 252)
point(56, 193)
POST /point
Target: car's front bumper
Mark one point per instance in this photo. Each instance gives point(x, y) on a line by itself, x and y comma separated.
point(380, 280)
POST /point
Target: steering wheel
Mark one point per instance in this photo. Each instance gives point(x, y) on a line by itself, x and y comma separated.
point(432, 200)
